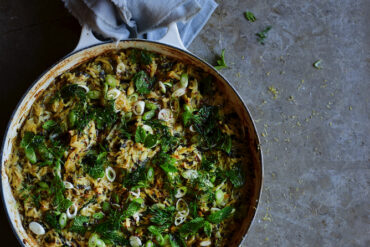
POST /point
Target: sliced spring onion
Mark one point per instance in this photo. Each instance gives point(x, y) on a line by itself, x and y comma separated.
point(191, 128)
point(179, 92)
point(175, 105)
point(165, 115)
point(150, 106)
point(150, 174)
point(110, 173)
point(162, 87)
point(136, 194)
point(179, 220)
point(133, 97)
point(184, 79)
point(149, 115)
point(63, 220)
point(72, 214)
point(111, 80)
point(135, 241)
point(113, 94)
point(36, 228)
point(98, 216)
point(120, 67)
point(84, 87)
point(168, 84)
point(68, 185)
point(95, 241)
point(139, 107)
point(181, 205)
point(149, 243)
point(147, 128)
point(190, 174)
point(219, 195)
point(205, 243)
point(180, 192)
point(93, 94)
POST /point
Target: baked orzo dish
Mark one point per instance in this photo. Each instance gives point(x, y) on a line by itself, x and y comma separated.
point(131, 148)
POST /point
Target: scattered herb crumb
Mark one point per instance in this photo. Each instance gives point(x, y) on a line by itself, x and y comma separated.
point(291, 98)
point(317, 64)
point(250, 16)
point(261, 36)
point(274, 91)
point(221, 64)
point(350, 108)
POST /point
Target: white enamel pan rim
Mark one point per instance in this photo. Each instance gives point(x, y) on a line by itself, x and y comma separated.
point(90, 43)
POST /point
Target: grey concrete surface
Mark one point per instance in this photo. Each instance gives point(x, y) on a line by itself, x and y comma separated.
point(314, 124)
point(315, 129)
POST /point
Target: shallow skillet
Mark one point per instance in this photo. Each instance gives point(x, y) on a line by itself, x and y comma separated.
point(89, 47)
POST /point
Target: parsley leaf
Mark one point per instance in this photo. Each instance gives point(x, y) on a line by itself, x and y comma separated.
point(78, 224)
point(219, 216)
point(236, 176)
point(142, 82)
point(165, 161)
point(261, 36)
point(192, 226)
point(146, 57)
point(136, 178)
point(250, 16)
point(57, 189)
point(52, 220)
point(221, 64)
point(73, 91)
point(207, 228)
point(94, 164)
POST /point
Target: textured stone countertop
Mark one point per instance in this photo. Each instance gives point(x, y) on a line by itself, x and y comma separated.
point(314, 124)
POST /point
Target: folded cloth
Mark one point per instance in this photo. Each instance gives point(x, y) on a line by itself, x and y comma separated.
point(122, 19)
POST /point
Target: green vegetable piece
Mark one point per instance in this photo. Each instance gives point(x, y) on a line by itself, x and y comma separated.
point(95, 241)
point(192, 226)
point(93, 94)
point(63, 220)
point(221, 64)
point(317, 64)
point(219, 216)
point(165, 161)
point(207, 228)
point(261, 36)
point(98, 216)
point(30, 155)
point(146, 57)
point(51, 218)
point(236, 176)
point(184, 80)
point(226, 145)
point(43, 185)
point(250, 16)
point(149, 243)
point(106, 206)
point(111, 80)
point(72, 118)
point(187, 115)
point(115, 198)
point(142, 82)
point(133, 97)
point(140, 135)
point(150, 141)
point(79, 224)
point(48, 125)
point(148, 115)
point(161, 215)
point(150, 106)
point(219, 194)
point(150, 175)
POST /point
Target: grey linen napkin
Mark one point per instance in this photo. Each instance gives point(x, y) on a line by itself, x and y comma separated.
point(121, 19)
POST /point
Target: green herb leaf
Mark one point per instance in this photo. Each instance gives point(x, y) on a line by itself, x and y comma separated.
point(165, 161)
point(140, 135)
point(52, 220)
point(250, 16)
point(150, 141)
point(261, 36)
point(207, 228)
point(94, 164)
point(192, 226)
point(142, 82)
point(162, 216)
point(226, 145)
point(236, 176)
point(219, 216)
point(221, 64)
point(73, 91)
point(78, 224)
point(136, 178)
point(48, 125)
point(146, 57)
